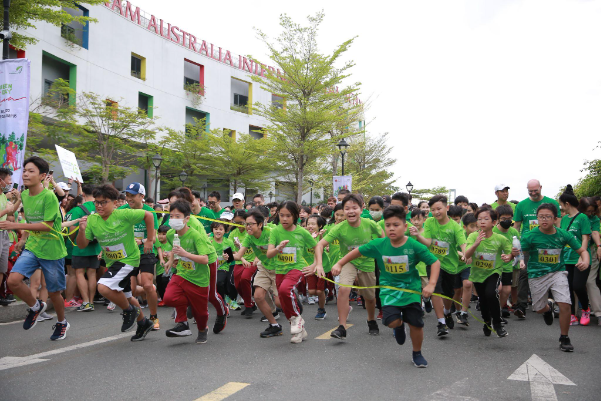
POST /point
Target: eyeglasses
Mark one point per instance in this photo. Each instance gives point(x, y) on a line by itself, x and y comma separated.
point(250, 224)
point(101, 203)
point(545, 217)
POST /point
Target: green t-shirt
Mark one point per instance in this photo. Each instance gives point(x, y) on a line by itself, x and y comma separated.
point(446, 239)
point(595, 223)
point(350, 238)
point(259, 247)
point(366, 214)
point(310, 255)
point(140, 231)
point(166, 247)
point(461, 264)
point(292, 256)
point(397, 266)
point(206, 213)
point(241, 236)
point(579, 227)
point(526, 212)
point(192, 242)
point(487, 258)
point(334, 249)
point(507, 266)
point(545, 251)
point(219, 250)
point(421, 266)
point(44, 207)
point(116, 235)
point(512, 205)
point(76, 213)
point(3, 203)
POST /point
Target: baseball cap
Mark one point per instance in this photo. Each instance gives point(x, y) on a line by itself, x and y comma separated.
point(63, 186)
point(238, 196)
point(136, 188)
point(227, 215)
point(501, 187)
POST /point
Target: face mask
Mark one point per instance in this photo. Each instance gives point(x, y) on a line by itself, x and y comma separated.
point(506, 223)
point(376, 214)
point(176, 224)
point(6, 188)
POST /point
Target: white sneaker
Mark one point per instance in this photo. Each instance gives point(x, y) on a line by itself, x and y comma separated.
point(111, 306)
point(44, 316)
point(297, 324)
point(311, 300)
point(300, 337)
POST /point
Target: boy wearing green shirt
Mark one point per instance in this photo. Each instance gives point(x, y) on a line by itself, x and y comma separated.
point(45, 247)
point(114, 230)
point(397, 256)
point(443, 236)
point(352, 233)
point(164, 249)
point(509, 273)
point(546, 269)
point(462, 286)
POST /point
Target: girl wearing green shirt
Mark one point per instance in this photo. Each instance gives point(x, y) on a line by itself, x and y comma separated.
point(316, 285)
point(245, 268)
point(221, 243)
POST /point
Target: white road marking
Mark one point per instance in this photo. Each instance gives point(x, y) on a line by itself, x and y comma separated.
point(9, 323)
point(541, 377)
point(223, 392)
point(9, 362)
point(453, 392)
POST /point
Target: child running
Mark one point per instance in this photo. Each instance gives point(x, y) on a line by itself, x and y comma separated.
point(315, 284)
point(244, 268)
point(397, 256)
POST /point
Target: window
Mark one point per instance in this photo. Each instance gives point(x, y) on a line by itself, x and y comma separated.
point(54, 68)
point(75, 32)
point(145, 103)
point(194, 76)
point(231, 133)
point(241, 96)
point(240, 100)
point(136, 66)
point(195, 119)
point(277, 101)
point(256, 132)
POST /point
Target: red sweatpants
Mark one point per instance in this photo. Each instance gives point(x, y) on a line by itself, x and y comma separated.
point(242, 281)
point(286, 284)
point(180, 294)
point(215, 298)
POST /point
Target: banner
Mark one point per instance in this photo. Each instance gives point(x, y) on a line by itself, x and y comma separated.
point(340, 183)
point(69, 164)
point(14, 114)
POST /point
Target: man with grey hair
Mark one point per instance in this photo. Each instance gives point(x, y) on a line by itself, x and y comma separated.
point(525, 218)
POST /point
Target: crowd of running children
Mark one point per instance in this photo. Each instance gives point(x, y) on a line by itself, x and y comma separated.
point(126, 251)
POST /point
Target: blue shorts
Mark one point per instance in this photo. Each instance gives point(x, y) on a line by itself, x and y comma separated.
point(53, 270)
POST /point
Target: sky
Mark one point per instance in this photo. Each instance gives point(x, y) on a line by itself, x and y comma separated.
point(473, 93)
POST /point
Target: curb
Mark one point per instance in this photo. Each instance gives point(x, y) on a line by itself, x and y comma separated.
point(17, 311)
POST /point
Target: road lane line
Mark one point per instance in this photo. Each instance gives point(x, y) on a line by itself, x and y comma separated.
point(9, 323)
point(326, 335)
point(224, 391)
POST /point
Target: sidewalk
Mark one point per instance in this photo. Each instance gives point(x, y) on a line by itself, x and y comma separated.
point(17, 311)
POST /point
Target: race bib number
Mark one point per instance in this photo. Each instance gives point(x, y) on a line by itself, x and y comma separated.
point(263, 249)
point(310, 250)
point(549, 256)
point(288, 255)
point(533, 223)
point(249, 252)
point(351, 248)
point(440, 247)
point(484, 260)
point(139, 235)
point(186, 263)
point(397, 264)
point(116, 252)
point(336, 242)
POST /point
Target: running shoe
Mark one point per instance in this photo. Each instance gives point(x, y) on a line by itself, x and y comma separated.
point(297, 324)
point(144, 327)
point(99, 299)
point(111, 306)
point(520, 313)
point(487, 329)
point(220, 324)
point(556, 311)
point(449, 321)
point(272, 330)
point(574, 320)
point(463, 318)
point(71, 303)
point(419, 360)
point(44, 316)
point(360, 301)
point(500, 331)
point(86, 307)
point(400, 334)
point(144, 304)
point(380, 315)
point(248, 312)
point(60, 331)
point(202, 336)
point(548, 316)
point(311, 300)
point(181, 329)
point(474, 298)
point(585, 317)
point(129, 318)
point(505, 312)
point(504, 321)
point(277, 313)
point(234, 305)
point(373, 327)
point(161, 304)
point(156, 325)
point(339, 333)
point(442, 329)
point(321, 314)
point(478, 306)
point(565, 344)
point(428, 305)
point(300, 337)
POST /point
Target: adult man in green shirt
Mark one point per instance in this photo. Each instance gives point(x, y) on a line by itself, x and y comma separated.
point(238, 201)
point(85, 261)
point(501, 191)
point(202, 212)
point(213, 200)
point(6, 209)
point(525, 220)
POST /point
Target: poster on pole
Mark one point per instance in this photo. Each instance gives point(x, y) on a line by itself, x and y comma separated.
point(14, 114)
point(69, 164)
point(340, 183)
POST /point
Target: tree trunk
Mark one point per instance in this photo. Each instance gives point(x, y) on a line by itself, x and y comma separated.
point(300, 185)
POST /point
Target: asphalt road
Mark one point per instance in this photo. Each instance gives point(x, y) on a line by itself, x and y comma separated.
point(465, 365)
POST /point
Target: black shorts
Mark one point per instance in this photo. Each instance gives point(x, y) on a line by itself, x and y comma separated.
point(117, 278)
point(147, 264)
point(85, 261)
point(461, 277)
point(67, 263)
point(411, 314)
point(445, 283)
point(506, 278)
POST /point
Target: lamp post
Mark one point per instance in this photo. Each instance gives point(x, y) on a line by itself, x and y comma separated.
point(6, 34)
point(183, 177)
point(157, 160)
point(343, 149)
point(311, 193)
point(271, 194)
point(409, 187)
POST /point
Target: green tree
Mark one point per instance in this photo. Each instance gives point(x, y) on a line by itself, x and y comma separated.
point(26, 13)
point(312, 105)
point(589, 185)
point(427, 193)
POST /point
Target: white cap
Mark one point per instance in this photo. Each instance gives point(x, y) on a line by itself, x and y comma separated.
point(63, 186)
point(238, 196)
point(227, 215)
point(501, 187)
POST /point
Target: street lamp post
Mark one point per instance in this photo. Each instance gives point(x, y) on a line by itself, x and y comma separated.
point(183, 177)
point(311, 193)
point(343, 149)
point(409, 187)
point(6, 34)
point(270, 195)
point(157, 160)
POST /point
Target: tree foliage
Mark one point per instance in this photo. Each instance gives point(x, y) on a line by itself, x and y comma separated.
point(427, 193)
point(589, 185)
point(26, 13)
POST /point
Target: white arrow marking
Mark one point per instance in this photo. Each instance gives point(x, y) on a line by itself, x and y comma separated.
point(541, 377)
point(9, 362)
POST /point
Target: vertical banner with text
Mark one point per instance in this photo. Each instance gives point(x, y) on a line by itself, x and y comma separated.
point(14, 114)
point(340, 183)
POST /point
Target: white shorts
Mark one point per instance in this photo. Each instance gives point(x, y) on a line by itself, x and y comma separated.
point(556, 282)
